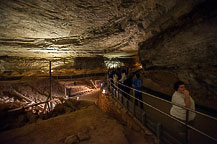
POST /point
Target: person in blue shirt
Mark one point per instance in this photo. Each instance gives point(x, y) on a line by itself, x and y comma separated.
point(137, 84)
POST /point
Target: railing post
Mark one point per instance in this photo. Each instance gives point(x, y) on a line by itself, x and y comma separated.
point(113, 91)
point(134, 101)
point(65, 90)
point(121, 95)
point(50, 93)
point(108, 84)
point(50, 75)
point(144, 121)
point(117, 92)
point(186, 126)
point(48, 107)
point(70, 92)
point(159, 127)
point(127, 103)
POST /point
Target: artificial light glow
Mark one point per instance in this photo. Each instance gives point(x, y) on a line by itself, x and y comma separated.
point(103, 91)
point(113, 64)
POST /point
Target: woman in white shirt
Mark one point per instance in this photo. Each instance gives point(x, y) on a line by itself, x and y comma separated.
point(181, 97)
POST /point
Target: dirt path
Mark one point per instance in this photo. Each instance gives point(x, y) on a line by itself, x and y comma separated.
point(91, 96)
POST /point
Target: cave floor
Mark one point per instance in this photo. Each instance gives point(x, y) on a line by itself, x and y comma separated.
point(89, 125)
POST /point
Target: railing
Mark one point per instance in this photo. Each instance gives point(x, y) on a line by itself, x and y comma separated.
point(47, 107)
point(155, 116)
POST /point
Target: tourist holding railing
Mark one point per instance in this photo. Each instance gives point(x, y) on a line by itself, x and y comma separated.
point(182, 97)
point(183, 107)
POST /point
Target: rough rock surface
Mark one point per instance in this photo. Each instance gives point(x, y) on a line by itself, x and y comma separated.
point(66, 29)
point(35, 88)
point(172, 35)
point(186, 51)
point(101, 128)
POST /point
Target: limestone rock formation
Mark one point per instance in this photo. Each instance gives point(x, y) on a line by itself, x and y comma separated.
point(174, 35)
point(68, 29)
point(186, 50)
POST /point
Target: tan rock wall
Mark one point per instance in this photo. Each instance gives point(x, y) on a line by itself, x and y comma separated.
point(116, 110)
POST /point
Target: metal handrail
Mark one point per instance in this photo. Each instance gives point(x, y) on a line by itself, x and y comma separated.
point(211, 117)
point(202, 133)
point(150, 105)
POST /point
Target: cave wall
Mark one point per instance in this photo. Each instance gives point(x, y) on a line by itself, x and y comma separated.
point(89, 62)
point(22, 66)
point(185, 51)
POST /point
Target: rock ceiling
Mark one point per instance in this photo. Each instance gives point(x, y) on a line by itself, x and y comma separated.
point(72, 28)
point(44, 30)
point(178, 36)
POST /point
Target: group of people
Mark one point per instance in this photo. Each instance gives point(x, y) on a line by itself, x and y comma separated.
point(180, 97)
point(124, 79)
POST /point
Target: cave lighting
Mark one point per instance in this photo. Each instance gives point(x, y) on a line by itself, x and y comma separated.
point(103, 91)
point(113, 64)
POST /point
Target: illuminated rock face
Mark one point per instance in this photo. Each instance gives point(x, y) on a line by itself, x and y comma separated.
point(110, 28)
point(170, 35)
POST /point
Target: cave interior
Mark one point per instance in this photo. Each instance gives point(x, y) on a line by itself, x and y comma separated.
point(65, 47)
